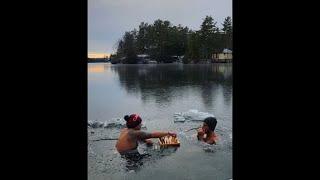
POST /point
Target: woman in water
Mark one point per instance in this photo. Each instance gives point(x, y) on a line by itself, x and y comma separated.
point(127, 143)
point(206, 132)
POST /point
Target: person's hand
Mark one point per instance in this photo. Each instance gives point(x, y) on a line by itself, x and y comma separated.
point(200, 132)
point(172, 134)
point(148, 142)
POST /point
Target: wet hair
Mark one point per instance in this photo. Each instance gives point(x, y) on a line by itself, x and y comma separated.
point(211, 122)
point(133, 120)
point(126, 117)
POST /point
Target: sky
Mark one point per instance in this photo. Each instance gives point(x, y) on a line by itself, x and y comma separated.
point(108, 20)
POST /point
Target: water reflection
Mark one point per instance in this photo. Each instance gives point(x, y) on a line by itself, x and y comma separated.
point(207, 92)
point(163, 83)
point(96, 68)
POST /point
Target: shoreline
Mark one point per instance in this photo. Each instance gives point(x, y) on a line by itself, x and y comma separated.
point(167, 63)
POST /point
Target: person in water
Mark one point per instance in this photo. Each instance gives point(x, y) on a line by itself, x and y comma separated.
point(127, 143)
point(206, 132)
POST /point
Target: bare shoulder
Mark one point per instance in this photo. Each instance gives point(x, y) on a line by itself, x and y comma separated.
point(131, 132)
point(215, 136)
point(124, 130)
point(213, 139)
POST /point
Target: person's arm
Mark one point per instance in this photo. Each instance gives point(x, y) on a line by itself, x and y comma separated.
point(200, 134)
point(162, 134)
point(211, 141)
point(144, 135)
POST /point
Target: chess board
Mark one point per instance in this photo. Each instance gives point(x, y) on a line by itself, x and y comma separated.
point(169, 141)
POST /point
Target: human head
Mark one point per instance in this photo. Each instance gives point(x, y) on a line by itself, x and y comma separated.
point(133, 121)
point(209, 124)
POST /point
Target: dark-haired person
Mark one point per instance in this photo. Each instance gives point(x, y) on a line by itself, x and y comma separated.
point(206, 132)
point(127, 143)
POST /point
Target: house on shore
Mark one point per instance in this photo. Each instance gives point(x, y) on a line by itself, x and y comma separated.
point(224, 57)
point(143, 58)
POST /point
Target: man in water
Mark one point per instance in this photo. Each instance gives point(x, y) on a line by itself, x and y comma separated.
point(127, 143)
point(206, 132)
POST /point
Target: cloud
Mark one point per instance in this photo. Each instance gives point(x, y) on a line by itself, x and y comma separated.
point(109, 19)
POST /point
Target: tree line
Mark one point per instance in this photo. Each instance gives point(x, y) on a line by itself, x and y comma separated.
point(162, 40)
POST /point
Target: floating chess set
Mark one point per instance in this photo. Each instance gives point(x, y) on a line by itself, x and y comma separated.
point(169, 141)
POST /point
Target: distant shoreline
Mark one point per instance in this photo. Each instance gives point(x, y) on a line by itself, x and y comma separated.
point(164, 63)
point(98, 62)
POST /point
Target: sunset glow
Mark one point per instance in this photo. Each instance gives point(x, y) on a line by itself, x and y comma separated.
point(98, 55)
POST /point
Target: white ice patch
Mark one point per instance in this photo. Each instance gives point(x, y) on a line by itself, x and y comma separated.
point(191, 115)
point(95, 124)
point(178, 117)
point(113, 123)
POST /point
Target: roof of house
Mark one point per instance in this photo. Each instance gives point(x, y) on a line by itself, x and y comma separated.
point(227, 51)
point(142, 55)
